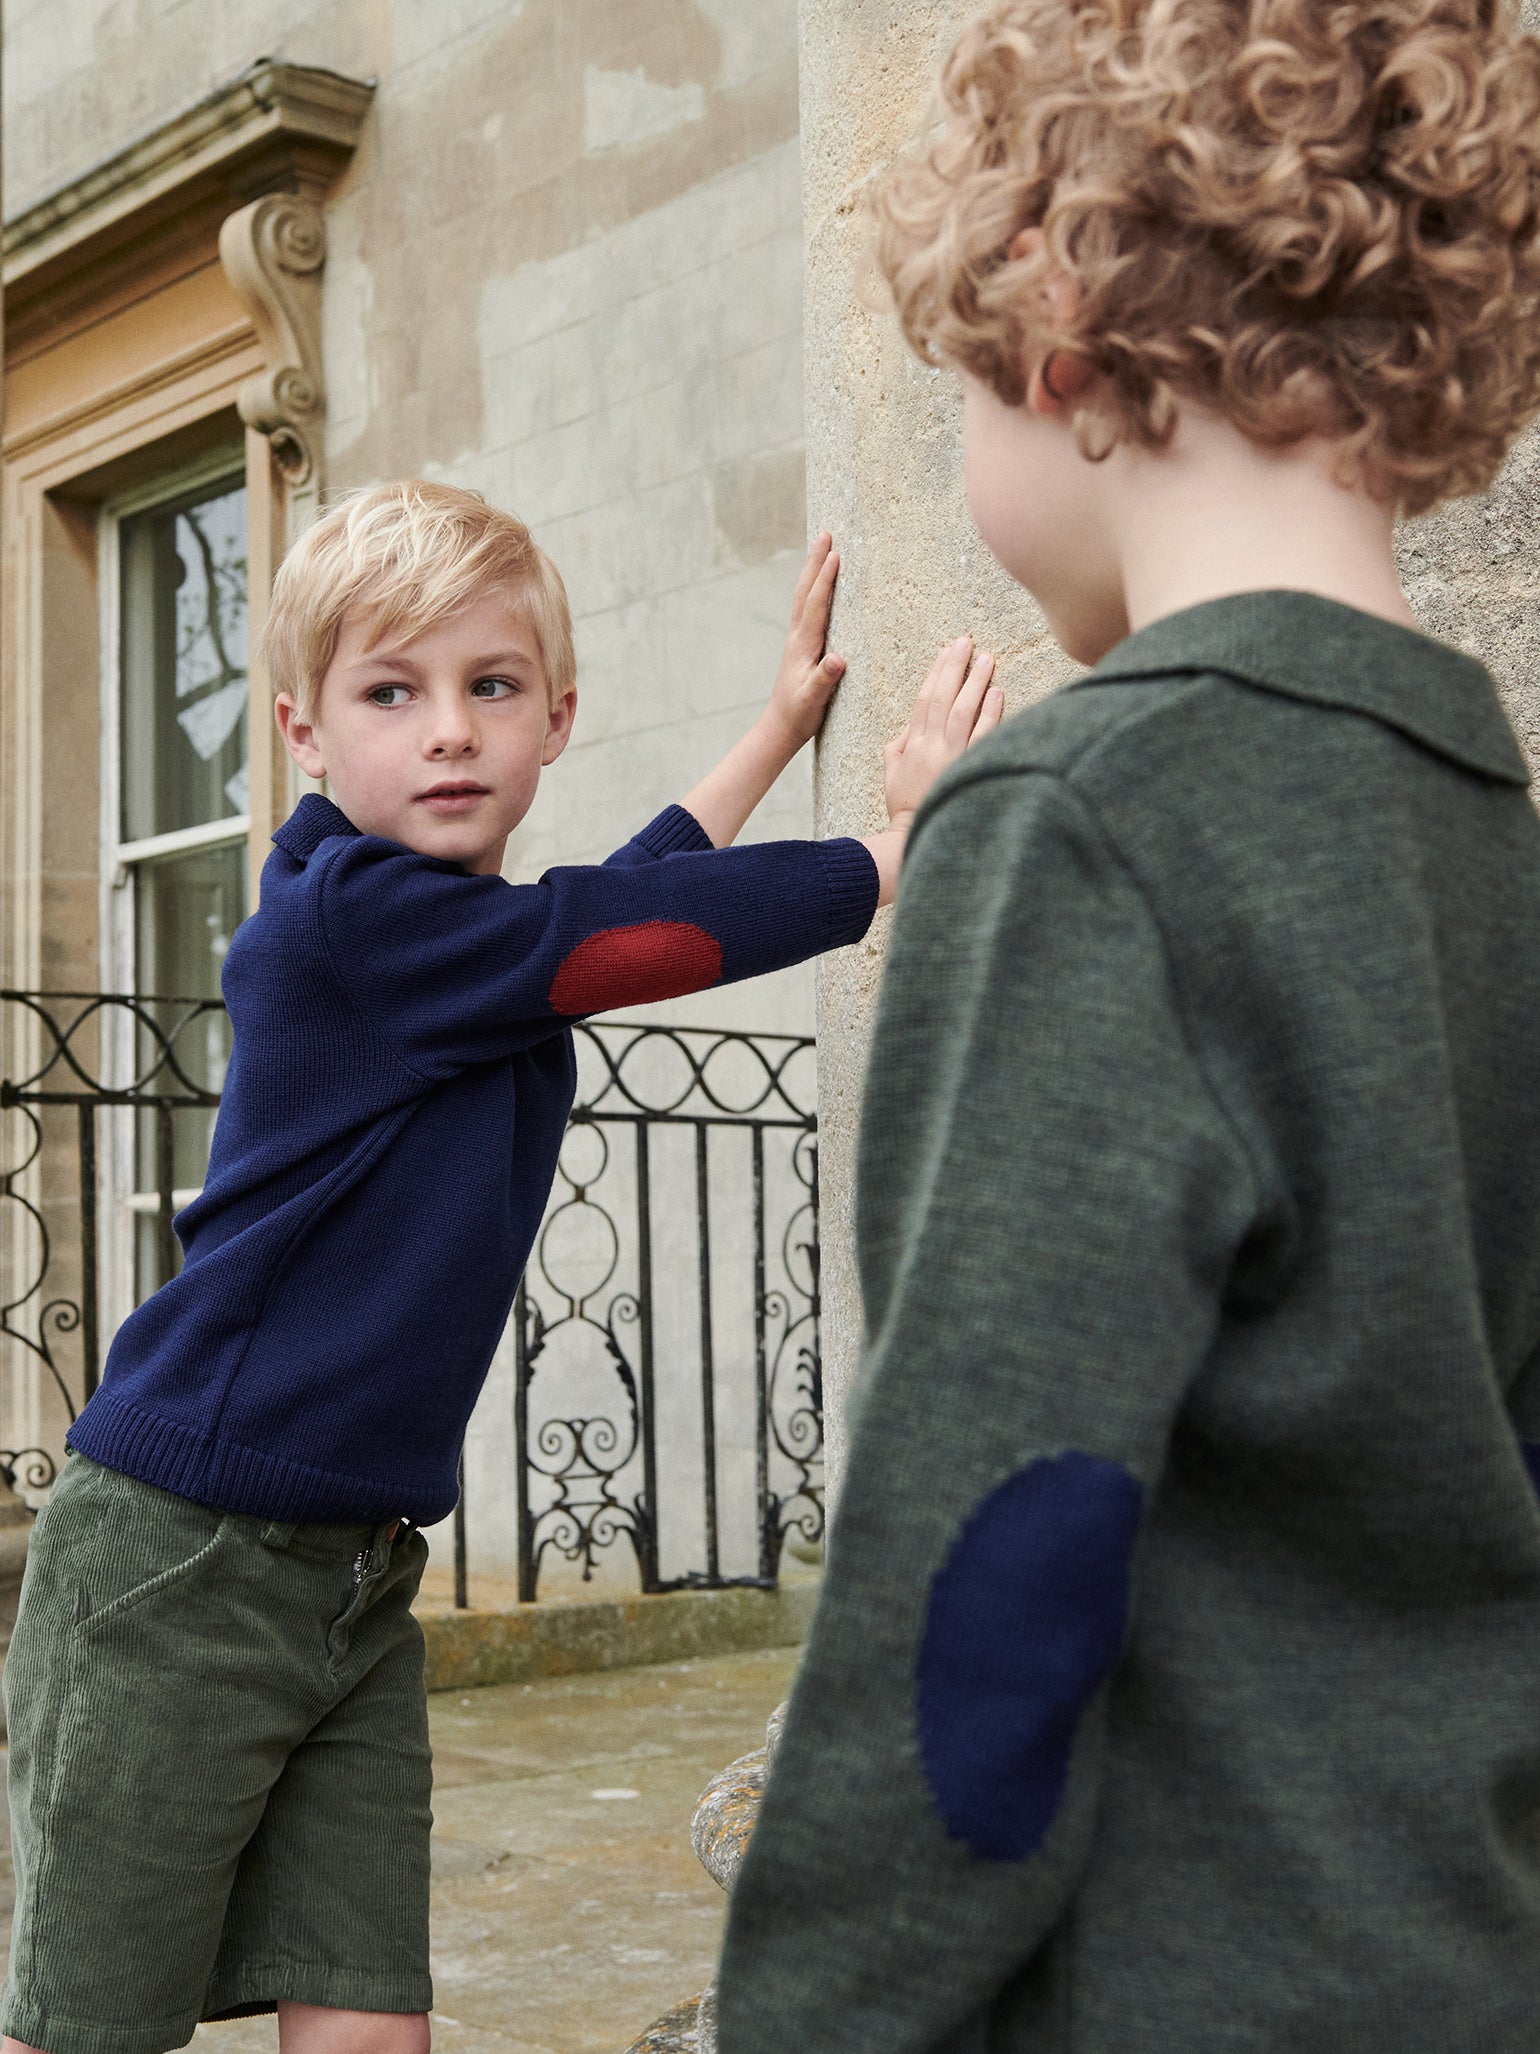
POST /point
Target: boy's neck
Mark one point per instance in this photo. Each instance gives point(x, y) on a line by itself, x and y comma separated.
point(1215, 515)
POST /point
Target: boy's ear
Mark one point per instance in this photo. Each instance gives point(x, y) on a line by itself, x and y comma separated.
point(299, 736)
point(558, 727)
point(1056, 382)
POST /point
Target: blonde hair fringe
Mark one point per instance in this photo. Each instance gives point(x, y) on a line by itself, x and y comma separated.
point(400, 558)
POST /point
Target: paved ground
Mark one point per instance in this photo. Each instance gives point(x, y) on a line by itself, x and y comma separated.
point(568, 1908)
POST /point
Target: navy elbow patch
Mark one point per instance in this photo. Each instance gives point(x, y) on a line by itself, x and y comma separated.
point(1026, 1621)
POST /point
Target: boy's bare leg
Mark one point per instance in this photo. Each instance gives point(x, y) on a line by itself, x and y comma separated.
point(318, 2029)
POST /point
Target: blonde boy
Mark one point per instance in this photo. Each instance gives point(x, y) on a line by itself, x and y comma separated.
point(1175, 1687)
point(219, 1757)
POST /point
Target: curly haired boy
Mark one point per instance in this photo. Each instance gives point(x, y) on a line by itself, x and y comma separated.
point(1176, 1683)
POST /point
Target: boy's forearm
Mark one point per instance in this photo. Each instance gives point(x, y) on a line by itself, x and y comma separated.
point(887, 852)
point(727, 795)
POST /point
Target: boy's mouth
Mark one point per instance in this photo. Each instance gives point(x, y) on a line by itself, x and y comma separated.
point(453, 795)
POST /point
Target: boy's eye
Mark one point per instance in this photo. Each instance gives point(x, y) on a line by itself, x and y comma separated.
point(493, 688)
point(389, 695)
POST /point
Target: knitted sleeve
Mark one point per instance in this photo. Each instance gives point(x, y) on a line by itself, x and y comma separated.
point(673, 832)
point(1048, 1202)
point(453, 969)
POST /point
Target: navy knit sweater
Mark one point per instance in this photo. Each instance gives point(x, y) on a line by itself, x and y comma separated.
point(400, 1081)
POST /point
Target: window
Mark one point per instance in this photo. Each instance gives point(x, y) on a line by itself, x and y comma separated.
point(177, 706)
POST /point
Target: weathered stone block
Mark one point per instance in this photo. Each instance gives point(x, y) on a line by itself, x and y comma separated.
point(466, 1648)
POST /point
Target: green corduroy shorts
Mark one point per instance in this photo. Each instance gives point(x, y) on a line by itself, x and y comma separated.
point(219, 1770)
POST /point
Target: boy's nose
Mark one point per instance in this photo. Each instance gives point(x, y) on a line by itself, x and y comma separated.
point(453, 738)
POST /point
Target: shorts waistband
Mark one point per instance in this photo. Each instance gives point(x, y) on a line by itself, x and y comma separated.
point(284, 1536)
point(317, 1542)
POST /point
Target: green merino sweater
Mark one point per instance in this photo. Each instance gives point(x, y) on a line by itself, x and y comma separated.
point(1175, 1687)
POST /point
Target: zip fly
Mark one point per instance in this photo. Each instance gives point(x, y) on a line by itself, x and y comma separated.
point(363, 1561)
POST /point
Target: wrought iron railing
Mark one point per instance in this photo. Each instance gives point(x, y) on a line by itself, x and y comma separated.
point(588, 1479)
point(665, 1340)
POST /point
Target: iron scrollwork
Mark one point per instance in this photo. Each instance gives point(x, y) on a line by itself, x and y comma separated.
point(580, 1457)
point(55, 1316)
point(77, 1037)
point(794, 1385)
point(589, 1474)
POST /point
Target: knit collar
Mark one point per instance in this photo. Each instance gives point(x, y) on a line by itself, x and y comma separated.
point(1332, 655)
point(313, 821)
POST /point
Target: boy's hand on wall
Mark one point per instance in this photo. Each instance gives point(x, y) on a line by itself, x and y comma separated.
point(805, 682)
point(956, 707)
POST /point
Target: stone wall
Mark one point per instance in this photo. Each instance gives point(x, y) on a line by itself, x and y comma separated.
point(885, 473)
point(565, 266)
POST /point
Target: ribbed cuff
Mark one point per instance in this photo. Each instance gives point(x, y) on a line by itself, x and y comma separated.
point(850, 886)
point(673, 832)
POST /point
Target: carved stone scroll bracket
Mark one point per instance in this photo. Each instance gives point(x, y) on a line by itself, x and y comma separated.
point(273, 252)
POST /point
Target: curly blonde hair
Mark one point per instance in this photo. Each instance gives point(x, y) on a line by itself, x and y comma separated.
point(1314, 216)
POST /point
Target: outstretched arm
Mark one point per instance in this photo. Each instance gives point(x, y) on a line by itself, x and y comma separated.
point(452, 969)
point(455, 969)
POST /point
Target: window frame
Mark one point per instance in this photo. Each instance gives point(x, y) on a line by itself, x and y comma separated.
point(120, 863)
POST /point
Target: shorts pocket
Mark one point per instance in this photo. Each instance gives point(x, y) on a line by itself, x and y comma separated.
point(140, 1548)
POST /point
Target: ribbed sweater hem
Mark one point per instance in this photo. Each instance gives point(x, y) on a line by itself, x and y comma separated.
point(232, 1478)
point(850, 889)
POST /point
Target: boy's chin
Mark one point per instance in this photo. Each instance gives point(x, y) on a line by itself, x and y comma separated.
point(476, 845)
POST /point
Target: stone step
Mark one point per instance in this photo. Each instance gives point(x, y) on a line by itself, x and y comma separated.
point(567, 1637)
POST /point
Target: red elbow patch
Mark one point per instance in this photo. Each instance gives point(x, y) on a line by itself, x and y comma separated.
point(634, 966)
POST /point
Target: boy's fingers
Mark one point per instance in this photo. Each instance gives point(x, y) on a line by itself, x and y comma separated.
point(951, 677)
point(816, 557)
point(821, 592)
point(940, 688)
point(970, 697)
point(811, 624)
point(990, 715)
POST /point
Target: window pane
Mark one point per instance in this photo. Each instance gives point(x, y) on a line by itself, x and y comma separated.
point(184, 663)
point(186, 909)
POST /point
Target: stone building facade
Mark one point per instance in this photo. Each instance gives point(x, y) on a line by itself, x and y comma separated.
point(263, 251)
point(587, 255)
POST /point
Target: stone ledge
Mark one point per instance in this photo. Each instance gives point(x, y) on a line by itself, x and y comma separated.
point(275, 119)
point(566, 1639)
